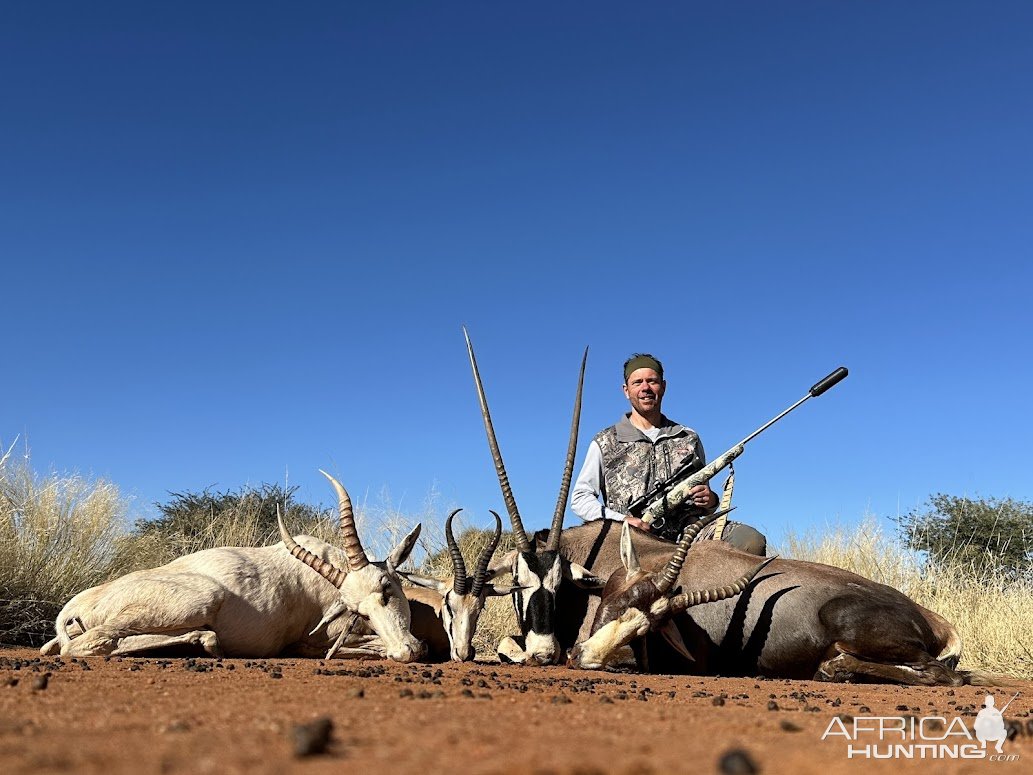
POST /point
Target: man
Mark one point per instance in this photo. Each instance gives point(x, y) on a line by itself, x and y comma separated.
point(628, 459)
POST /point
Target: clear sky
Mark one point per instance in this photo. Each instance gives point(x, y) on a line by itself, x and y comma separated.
point(239, 241)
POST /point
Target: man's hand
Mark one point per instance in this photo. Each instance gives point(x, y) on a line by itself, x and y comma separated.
point(701, 495)
point(636, 522)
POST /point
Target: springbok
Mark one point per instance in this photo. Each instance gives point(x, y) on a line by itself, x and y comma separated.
point(537, 569)
point(445, 612)
point(799, 620)
point(456, 603)
point(246, 602)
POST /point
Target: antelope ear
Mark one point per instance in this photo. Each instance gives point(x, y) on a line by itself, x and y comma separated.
point(503, 564)
point(628, 554)
point(401, 552)
point(583, 577)
point(427, 582)
point(336, 608)
point(495, 572)
point(673, 636)
point(500, 590)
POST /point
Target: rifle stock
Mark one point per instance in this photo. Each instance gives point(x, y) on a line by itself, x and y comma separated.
point(677, 493)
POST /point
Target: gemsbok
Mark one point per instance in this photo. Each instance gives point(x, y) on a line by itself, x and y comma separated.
point(798, 619)
point(538, 570)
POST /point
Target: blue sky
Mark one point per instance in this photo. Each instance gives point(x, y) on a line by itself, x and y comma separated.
point(239, 242)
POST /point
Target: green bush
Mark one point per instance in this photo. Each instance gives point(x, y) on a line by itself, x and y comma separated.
point(978, 535)
point(192, 521)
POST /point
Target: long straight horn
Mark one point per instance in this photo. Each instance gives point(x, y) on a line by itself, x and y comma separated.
point(458, 565)
point(352, 546)
point(674, 565)
point(688, 599)
point(326, 569)
point(507, 493)
point(553, 543)
point(485, 557)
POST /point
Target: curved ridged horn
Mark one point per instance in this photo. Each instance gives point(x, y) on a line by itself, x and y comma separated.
point(687, 599)
point(674, 565)
point(326, 569)
point(485, 557)
point(553, 542)
point(507, 493)
point(352, 546)
point(458, 565)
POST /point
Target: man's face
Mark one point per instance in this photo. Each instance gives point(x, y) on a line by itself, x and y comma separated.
point(645, 389)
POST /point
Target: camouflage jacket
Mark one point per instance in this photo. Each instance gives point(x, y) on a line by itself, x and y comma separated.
point(632, 464)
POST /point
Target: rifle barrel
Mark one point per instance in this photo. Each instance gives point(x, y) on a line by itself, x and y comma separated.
point(816, 390)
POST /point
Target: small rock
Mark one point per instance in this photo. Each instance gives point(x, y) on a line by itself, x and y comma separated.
point(772, 705)
point(737, 762)
point(40, 682)
point(312, 739)
point(718, 701)
point(789, 726)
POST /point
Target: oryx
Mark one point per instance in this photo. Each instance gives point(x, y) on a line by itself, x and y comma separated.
point(537, 569)
point(797, 620)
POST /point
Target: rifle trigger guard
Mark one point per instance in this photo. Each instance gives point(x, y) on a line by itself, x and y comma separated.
point(657, 524)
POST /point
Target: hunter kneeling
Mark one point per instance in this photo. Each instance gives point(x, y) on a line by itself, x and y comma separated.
point(643, 450)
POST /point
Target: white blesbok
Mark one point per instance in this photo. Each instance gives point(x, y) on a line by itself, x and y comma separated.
point(247, 601)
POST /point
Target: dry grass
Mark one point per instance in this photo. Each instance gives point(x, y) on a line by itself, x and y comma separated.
point(58, 535)
point(994, 616)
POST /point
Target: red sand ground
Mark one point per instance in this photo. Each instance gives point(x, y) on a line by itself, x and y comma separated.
point(178, 715)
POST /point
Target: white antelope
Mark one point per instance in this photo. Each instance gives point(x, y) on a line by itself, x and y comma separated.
point(247, 602)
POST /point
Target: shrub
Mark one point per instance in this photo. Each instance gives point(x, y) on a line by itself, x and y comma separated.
point(984, 536)
point(192, 521)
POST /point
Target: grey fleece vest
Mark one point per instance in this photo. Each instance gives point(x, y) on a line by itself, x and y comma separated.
point(632, 464)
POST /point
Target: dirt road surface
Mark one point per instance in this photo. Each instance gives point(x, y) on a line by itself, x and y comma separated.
point(180, 715)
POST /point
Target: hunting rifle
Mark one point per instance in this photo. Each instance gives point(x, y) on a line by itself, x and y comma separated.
point(670, 494)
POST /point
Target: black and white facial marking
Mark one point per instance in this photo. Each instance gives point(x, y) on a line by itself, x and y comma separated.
point(459, 617)
point(538, 576)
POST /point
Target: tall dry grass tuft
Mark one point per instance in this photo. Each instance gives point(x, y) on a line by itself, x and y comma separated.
point(992, 614)
point(58, 535)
